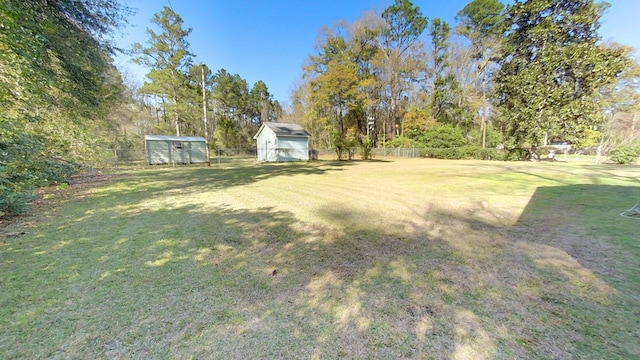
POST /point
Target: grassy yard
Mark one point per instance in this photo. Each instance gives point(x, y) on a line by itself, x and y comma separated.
point(387, 259)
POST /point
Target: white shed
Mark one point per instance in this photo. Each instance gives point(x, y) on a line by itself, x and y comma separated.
point(282, 142)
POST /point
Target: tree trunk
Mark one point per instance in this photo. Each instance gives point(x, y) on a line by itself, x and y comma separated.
point(483, 123)
point(633, 126)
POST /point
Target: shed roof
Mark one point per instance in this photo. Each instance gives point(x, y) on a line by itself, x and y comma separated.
point(284, 129)
point(174, 138)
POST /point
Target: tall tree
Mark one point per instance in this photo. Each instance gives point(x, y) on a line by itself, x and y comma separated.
point(551, 68)
point(238, 111)
point(445, 92)
point(481, 20)
point(336, 85)
point(481, 23)
point(261, 104)
point(401, 47)
point(230, 110)
point(169, 59)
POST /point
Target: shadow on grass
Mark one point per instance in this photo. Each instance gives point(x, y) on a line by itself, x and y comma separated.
point(212, 282)
point(576, 236)
point(546, 172)
point(218, 282)
point(156, 182)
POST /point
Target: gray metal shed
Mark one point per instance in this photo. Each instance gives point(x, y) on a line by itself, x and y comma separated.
point(175, 149)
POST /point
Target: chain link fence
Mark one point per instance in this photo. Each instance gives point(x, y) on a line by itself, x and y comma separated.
point(116, 158)
point(375, 152)
point(226, 157)
point(127, 158)
point(124, 158)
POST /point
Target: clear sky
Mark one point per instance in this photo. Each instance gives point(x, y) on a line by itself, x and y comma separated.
point(269, 40)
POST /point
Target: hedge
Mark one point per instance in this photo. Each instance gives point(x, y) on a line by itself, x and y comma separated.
point(467, 152)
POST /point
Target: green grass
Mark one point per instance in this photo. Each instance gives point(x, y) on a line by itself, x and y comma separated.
point(388, 259)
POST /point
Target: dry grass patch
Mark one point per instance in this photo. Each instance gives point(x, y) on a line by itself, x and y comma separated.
point(384, 259)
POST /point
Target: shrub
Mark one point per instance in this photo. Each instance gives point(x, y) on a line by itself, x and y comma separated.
point(42, 172)
point(365, 149)
point(493, 136)
point(624, 154)
point(400, 142)
point(517, 154)
point(19, 179)
point(443, 136)
point(338, 143)
point(469, 152)
point(14, 201)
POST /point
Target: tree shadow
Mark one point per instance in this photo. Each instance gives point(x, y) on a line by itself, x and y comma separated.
point(596, 173)
point(163, 181)
point(215, 281)
point(259, 279)
point(575, 235)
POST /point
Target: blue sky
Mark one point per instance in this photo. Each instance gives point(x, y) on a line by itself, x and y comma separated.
point(269, 40)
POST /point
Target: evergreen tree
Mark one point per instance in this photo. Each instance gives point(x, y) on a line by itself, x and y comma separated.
point(551, 68)
point(170, 60)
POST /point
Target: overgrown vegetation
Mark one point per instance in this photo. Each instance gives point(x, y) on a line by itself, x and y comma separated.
point(57, 87)
point(466, 259)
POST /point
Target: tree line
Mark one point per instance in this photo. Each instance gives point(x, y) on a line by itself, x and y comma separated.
point(518, 77)
point(175, 87)
point(515, 77)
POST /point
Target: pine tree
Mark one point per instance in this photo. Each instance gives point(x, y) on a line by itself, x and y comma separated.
point(170, 60)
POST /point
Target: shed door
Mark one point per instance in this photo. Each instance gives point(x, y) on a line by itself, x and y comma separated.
point(180, 152)
point(272, 150)
point(293, 149)
point(158, 152)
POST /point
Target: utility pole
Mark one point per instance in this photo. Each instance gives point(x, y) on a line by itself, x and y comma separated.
point(204, 112)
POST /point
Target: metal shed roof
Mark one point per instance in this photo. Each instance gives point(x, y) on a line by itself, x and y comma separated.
point(284, 129)
point(174, 138)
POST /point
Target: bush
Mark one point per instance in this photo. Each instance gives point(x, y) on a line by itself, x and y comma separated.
point(14, 201)
point(42, 172)
point(400, 142)
point(624, 154)
point(19, 179)
point(468, 152)
point(338, 143)
point(493, 136)
point(365, 149)
point(443, 136)
point(517, 154)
